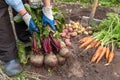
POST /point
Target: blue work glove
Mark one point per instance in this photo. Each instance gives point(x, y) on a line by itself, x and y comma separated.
point(47, 17)
point(18, 6)
point(30, 23)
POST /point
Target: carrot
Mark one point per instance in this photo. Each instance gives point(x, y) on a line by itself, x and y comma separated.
point(88, 41)
point(111, 56)
point(101, 54)
point(84, 39)
point(96, 54)
point(107, 53)
point(98, 43)
point(91, 45)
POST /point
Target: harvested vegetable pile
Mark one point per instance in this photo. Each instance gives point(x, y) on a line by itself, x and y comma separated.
point(105, 37)
point(47, 46)
point(72, 30)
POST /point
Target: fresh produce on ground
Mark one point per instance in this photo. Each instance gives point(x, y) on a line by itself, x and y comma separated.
point(37, 60)
point(73, 29)
point(64, 51)
point(61, 60)
point(21, 52)
point(62, 43)
point(105, 37)
point(46, 44)
point(51, 60)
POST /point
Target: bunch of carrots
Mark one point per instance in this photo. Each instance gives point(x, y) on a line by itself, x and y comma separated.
point(89, 42)
point(105, 37)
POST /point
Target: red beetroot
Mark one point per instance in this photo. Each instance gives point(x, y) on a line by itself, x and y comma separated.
point(55, 43)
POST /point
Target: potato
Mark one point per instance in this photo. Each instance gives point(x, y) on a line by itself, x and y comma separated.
point(67, 36)
point(83, 29)
point(79, 32)
point(63, 34)
point(68, 43)
point(70, 29)
point(65, 30)
point(73, 34)
point(67, 40)
point(85, 32)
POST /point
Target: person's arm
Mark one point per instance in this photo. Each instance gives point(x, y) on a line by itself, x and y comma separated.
point(19, 7)
point(46, 3)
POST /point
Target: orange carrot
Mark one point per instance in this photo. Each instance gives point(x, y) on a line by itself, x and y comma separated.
point(107, 53)
point(98, 43)
point(86, 43)
point(91, 45)
point(101, 54)
point(96, 54)
point(84, 39)
point(111, 56)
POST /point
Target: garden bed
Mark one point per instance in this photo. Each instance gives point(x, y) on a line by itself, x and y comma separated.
point(78, 66)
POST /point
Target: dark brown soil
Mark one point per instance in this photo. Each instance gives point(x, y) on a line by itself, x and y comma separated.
point(78, 67)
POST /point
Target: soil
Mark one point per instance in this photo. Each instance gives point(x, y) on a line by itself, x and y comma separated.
point(78, 67)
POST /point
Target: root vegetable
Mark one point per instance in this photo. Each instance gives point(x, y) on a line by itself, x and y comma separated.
point(107, 53)
point(67, 40)
point(86, 43)
point(73, 34)
point(88, 28)
point(82, 29)
point(63, 34)
point(65, 30)
point(55, 43)
point(67, 36)
point(62, 43)
point(65, 52)
point(75, 26)
point(111, 56)
point(37, 60)
point(84, 39)
point(68, 43)
point(101, 54)
point(85, 32)
point(91, 45)
point(61, 60)
point(96, 54)
point(79, 32)
point(98, 43)
point(70, 29)
point(51, 60)
point(90, 32)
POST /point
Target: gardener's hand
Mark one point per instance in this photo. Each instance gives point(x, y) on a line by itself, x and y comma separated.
point(19, 7)
point(30, 23)
point(47, 17)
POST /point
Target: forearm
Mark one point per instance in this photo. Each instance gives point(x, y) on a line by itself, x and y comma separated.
point(46, 3)
point(17, 5)
point(22, 12)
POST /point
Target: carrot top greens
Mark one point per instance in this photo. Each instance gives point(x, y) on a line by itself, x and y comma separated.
point(108, 31)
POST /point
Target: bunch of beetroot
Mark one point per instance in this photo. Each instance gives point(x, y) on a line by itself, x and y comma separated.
point(48, 49)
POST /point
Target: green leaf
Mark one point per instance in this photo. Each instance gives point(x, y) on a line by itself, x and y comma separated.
point(118, 44)
point(21, 52)
point(17, 18)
